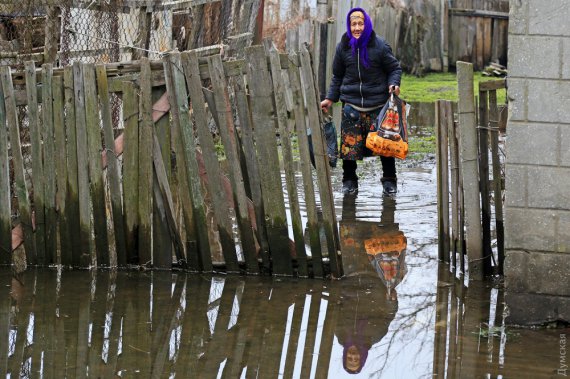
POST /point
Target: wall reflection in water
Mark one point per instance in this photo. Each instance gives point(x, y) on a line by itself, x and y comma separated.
point(386, 319)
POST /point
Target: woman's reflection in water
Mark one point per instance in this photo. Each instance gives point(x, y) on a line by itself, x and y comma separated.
point(374, 262)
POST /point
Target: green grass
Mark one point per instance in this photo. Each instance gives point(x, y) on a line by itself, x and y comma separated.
point(420, 145)
point(439, 86)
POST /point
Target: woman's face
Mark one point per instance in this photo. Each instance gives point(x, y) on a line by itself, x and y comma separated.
point(352, 358)
point(356, 24)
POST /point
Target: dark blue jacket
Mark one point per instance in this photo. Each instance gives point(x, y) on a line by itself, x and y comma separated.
point(361, 86)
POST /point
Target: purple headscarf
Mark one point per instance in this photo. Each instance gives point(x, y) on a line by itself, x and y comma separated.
point(361, 42)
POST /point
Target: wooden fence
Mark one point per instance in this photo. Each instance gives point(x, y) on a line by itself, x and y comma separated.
point(152, 191)
point(467, 147)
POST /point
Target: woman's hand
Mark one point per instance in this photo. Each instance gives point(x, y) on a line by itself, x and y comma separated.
point(325, 105)
point(393, 89)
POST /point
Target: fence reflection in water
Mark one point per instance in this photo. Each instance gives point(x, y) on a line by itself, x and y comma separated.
point(161, 324)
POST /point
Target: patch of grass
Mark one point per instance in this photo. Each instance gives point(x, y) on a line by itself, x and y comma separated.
point(421, 145)
point(440, 86)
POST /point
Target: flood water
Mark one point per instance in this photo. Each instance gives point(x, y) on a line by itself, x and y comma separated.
point(396, 314)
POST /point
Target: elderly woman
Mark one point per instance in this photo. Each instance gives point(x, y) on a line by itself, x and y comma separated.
point(365, 72)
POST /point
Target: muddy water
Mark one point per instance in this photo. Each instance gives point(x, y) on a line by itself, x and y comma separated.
point(395, 315)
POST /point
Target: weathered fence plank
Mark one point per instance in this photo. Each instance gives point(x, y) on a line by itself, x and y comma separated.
point(227, 133)
point(259, 80)
point(130, 169)
point(442, 123)
point(470, 175)
point(497, 179)
point(86, 244)
point(186, 152)
point(145, 209)
point(484, 179)
point(165, 206)
point(5, 195)
point(294, 208)
point(113, 175)
point(61, 171)
point(92, 125)
point(306, 172)
point(49, 164)
point(454, 179)
point(37, 161)
point(72, 198)
point(20, 186)
point(321, 161)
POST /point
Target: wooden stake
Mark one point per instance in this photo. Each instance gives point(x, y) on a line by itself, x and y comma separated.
point(5, 195)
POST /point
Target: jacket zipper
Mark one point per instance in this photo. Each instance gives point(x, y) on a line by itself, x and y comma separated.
point(359, 77)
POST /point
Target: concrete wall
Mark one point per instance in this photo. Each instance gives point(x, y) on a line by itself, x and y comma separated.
point(537, 267)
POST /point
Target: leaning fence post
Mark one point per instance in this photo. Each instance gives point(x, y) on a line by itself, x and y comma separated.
point(468, 156)
point(484, 178)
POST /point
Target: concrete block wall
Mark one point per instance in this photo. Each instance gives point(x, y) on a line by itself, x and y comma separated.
point(537, 210)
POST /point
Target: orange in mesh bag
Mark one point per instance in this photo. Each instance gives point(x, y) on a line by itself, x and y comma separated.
point(389, 135)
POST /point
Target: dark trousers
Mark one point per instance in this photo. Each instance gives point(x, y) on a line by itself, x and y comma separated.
point(388, 169)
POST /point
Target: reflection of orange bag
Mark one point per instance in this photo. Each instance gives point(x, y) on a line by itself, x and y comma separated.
point(387, 243)
point(389, 137)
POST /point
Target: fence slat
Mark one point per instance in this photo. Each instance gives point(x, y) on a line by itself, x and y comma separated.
point(497, 179)
point(294, 208)
point(259, 81)
point(95, 168)
point(5, 198)
point(72, 198)
point(468, 155)
point(227, 132)
point(61, 170)
point(21, 188)
point(112, 165)
point(453, 161)
point(442, 179)
point(306, 172)
point(49, 164)
point(145, 166)
point(186, 152)
point(252, 168)
point(37, 161)
point(130, 168)
point(87, 246)
point(323, 169)
point(165, 206)
point(484, 179)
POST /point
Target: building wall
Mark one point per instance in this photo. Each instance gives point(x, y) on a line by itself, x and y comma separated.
point(537, 219)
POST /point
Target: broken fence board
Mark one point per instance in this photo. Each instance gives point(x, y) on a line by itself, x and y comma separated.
point(113, 174)
point(442, 179)
point(20, 186)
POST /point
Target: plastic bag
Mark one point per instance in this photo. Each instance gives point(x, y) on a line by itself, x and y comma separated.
point(389, 136)
point(331, 142)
